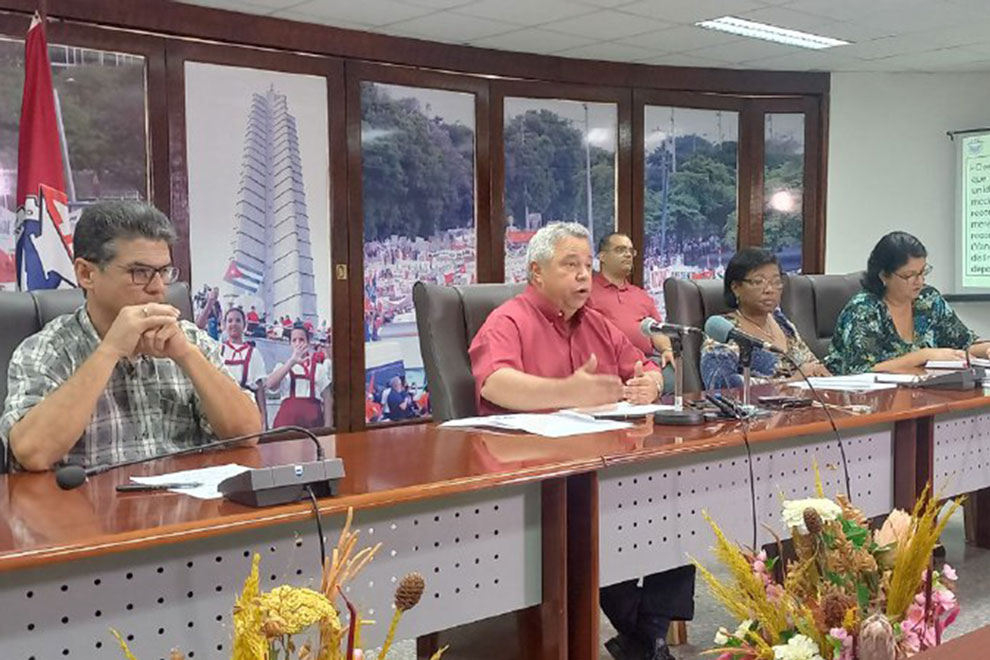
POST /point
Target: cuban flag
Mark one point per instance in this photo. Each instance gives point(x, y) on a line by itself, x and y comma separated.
point(241, 276)
point(43, 247)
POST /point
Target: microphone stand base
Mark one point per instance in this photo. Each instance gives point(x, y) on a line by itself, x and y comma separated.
point(283, 484)
point(679, 417)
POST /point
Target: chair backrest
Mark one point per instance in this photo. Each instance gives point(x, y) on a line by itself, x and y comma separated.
point(813, 304)
point(692, 302)
point(26, 312)
point(448, 318)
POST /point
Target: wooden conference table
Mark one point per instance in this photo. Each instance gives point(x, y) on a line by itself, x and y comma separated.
point(496, 523)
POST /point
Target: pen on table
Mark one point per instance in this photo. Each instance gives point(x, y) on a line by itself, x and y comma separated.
point(142, 488)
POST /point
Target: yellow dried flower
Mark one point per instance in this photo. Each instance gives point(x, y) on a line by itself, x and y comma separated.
point(249, 642)
point(176, 654)
point(287, 610)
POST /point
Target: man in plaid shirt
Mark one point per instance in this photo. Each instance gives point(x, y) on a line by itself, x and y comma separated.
point(122, 377)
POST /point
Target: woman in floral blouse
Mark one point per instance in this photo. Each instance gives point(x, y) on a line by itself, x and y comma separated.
point(898, 322)
point(753, 284)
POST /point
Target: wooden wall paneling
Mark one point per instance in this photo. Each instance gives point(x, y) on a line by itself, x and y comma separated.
point(178, 53)
point(815, 182)
point(750, 177)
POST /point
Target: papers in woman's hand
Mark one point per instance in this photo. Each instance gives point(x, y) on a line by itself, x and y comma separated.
point(551, 425)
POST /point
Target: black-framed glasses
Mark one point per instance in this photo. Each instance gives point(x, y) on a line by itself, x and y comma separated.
point(920, 275)
point(142, 275)
point(761, 283)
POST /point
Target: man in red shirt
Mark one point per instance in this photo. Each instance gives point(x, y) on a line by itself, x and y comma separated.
point(622, 302)
point(545, 349)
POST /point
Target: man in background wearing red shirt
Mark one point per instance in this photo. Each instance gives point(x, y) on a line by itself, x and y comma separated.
point(624, 303)
point(545, 349)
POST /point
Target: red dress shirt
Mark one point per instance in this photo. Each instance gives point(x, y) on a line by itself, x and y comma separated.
point(529, 334)
point(625, 306)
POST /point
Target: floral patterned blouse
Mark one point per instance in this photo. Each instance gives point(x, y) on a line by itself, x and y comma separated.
point(865, 334)
point(720, 362)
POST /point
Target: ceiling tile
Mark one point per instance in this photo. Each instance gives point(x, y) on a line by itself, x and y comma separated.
point(679, 11)
point(682, 59)
point(787, 18)
point(437, 4)
point(533, 40)
point(370, 12)
point(291, 15)
point(745, 50)
point(936, 60)
point(808, 60)
point(610, 50)
point(525, 12)
point(854, 10)
point(604, 4)
point(886, 47)
point(683, 37)
point(919, 18)
point(449, 27)
point(607, 25)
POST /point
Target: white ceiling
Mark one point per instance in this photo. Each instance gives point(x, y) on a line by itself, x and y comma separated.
point(887, 35)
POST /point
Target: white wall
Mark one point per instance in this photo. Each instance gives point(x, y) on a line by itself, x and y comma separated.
point(891, 166)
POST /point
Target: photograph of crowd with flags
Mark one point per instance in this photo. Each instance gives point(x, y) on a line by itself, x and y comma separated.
point(51, 164)
point(259, 233)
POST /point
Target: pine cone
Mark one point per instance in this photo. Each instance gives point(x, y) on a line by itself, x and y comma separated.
point(813, 521)
point(409, 592)
point(876, 639)
point(835, 604)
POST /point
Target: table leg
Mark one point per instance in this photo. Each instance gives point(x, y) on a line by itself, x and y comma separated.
point(582, 566)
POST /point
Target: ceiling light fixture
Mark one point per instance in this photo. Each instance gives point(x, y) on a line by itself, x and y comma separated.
point(773, 33)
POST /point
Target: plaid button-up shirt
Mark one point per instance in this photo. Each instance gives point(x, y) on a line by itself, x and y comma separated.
point(149, 406)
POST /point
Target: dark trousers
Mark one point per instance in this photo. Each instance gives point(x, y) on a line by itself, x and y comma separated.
point(646, 611)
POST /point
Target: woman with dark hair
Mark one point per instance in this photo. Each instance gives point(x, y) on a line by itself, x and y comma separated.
point(897, 321)
point(753, 285)
point(243, 361)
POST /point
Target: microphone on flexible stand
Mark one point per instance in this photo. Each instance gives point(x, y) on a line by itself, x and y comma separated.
point(255, 487)
point(722, 330)
point(679, 416)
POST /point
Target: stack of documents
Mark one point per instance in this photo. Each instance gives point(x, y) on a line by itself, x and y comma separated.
point(857, 383)
point(551, 425)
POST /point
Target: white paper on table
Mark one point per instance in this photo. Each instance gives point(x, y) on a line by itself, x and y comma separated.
point(957, 364)
point(624, 408)
point(854, 383)
point(896, 378)
point(209, 477)
point(551, 425)
point(945, 364)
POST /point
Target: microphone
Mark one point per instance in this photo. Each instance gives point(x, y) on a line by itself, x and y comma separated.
point(722, 330)
point(69, 477)
point(649, 326)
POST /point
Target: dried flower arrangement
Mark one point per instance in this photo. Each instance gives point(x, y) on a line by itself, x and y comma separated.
point(852, 593)
point(265, 623)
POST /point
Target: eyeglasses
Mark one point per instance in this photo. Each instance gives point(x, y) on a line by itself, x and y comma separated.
point(776, 284)
point(142, 275)
point(623, 250)
point(922, 274)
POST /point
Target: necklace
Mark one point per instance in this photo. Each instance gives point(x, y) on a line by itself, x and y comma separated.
point(764, 328)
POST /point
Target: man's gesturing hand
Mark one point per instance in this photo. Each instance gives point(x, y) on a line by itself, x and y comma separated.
point(640, 388)
point(586, 388)
point(132, 322)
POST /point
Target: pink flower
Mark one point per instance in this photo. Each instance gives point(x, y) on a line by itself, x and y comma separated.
point(949, 573)
point(840, 634)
